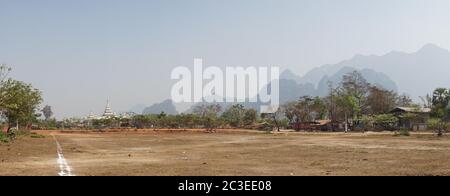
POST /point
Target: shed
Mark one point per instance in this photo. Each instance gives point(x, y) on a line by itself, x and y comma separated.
point(416, 124)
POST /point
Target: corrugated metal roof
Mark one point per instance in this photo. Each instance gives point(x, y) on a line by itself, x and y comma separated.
point(413, 110)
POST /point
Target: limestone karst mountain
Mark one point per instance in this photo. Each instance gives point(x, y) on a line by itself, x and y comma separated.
point(166, 106)
point(415, 73)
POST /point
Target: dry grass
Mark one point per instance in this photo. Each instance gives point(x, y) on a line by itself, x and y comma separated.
point(230, 153)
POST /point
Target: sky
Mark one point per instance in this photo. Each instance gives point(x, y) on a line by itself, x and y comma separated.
point(81, 53)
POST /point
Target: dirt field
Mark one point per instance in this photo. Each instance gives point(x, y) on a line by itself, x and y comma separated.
point(228, 153)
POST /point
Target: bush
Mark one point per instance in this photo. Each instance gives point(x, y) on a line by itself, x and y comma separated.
point(35, 135)
point(266, 126)
point(439, 125)
point(386, 121)
point(403, 132)
point(367, 123)
point(3, 137)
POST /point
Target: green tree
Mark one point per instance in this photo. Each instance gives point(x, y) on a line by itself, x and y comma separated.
point(234, 115)
point(386, 122)
point(439, 125)
point(347, 106)
point(250, 117)
point(351, 98)
point(319, 108)
point(440, 101)
point(19, 102)
point(440, 110)
point(355, 88)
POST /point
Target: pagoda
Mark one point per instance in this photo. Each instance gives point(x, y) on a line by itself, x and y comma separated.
point(108, 111)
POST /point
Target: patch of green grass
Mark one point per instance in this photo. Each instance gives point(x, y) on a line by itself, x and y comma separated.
point(3, 138)
point(37, 136)
point(403, 132)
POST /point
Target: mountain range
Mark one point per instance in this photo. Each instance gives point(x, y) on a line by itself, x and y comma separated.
point(166, 106)
point(415, 74)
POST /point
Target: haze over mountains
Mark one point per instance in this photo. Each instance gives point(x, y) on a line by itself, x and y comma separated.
point(166, 106)
point(415, 74)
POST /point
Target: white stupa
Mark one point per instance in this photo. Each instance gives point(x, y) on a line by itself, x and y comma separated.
point(91, 116)
point(108, 111)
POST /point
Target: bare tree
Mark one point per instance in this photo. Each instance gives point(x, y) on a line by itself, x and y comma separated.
point(47, 111)
point(4, 72)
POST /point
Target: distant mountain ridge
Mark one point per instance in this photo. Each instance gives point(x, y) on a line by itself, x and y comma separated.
point(415, 73)
point(290, 89)
point(166, 106)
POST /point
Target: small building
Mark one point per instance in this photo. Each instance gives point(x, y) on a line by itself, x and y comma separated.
point(318, 125)
point(412, 118)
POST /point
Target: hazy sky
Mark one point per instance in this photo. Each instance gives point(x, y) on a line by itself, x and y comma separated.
point(79, 53)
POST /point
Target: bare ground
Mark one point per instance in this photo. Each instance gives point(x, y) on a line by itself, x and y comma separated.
point(229, 153)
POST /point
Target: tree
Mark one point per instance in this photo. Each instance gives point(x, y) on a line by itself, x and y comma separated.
point(347, 105)
point(273, 119)
point(427, 101)
point(234, 116)
point(404, 101)
point(439, 125)
point(319, 108)
point(47, 111)
point(381, 101)
point(4, 71)
point(250, 117)
point(304, 109)
point(386, 121)
point(440, 110)
point(290, 111)
point(330, 101)
point(19, 102)
point(354, 89)
point(440, 101)
point(208, 115)
point(351, 98)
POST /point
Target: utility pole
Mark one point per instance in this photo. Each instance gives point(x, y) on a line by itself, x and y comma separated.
point(346, 122)
point(330, 86)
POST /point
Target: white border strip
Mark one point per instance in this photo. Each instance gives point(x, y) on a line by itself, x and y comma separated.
point(65, 169)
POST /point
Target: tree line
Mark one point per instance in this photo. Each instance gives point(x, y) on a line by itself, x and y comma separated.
point(209, 117)
point(352, 101)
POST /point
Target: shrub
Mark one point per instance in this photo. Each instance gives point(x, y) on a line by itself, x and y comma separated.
point(403, 132)
point(367, 123)
point(439, 125)
point(386, 121)
point(3, 137)
point(266, 126)
point(35, 135)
